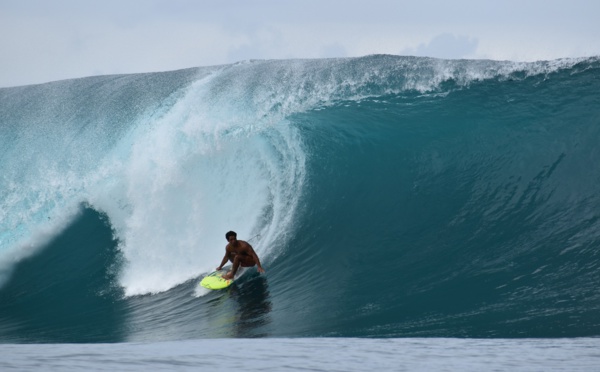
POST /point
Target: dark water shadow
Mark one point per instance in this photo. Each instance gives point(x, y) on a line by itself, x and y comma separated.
point(253, 307)
point(67, 292)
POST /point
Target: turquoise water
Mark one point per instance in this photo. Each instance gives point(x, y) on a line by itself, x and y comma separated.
point(388, 197)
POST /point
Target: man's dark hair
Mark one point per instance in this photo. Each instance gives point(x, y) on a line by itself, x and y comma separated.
point(230, 233)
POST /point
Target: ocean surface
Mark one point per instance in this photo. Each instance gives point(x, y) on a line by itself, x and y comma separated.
point(395, 202)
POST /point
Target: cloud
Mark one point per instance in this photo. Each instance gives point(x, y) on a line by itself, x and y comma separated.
point(257, 43)
point(334, 50)
point(44, 41)
point(445, 46)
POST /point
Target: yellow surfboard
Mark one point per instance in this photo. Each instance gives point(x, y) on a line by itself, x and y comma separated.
point(215, 279)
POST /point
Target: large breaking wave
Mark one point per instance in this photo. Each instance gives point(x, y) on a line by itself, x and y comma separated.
point(388, 195)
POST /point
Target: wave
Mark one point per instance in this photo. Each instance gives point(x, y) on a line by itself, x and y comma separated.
point(390, 195)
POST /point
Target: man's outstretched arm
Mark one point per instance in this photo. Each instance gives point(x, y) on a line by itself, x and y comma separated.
point(224, 261)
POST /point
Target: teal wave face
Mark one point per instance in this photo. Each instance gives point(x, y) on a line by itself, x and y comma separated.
point(468, 214)
point(68, 292)
point(388, 197)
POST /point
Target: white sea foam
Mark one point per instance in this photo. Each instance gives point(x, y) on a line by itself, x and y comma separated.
point(191, 175)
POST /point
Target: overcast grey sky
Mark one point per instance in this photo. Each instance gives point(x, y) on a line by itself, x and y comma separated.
point(43, 40)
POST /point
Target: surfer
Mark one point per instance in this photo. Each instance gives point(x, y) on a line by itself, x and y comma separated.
point(239, 253)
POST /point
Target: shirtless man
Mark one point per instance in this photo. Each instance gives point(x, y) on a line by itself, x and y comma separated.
point(239, 253)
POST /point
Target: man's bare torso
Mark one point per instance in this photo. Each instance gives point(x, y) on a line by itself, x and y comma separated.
point(241, 249)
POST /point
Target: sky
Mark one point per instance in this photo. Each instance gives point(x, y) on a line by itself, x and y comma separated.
point(43, 40)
